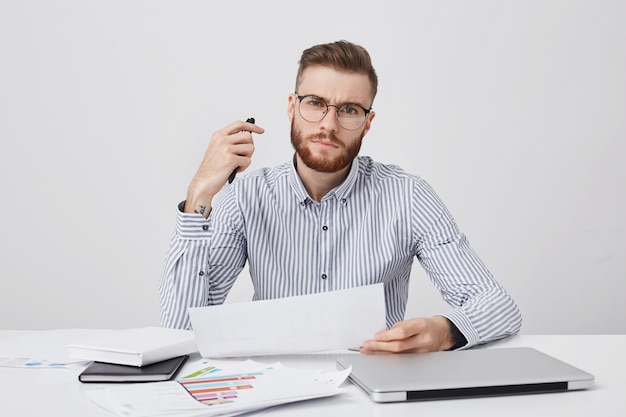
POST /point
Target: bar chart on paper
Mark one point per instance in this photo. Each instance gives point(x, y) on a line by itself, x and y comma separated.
point(215, 389)
point(219, 389)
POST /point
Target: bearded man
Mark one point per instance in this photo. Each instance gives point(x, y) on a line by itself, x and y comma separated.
point(329, 220)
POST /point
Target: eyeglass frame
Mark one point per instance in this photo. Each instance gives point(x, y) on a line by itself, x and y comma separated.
point(366, 111)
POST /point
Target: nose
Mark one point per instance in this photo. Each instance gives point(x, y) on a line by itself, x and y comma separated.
point(330, 122)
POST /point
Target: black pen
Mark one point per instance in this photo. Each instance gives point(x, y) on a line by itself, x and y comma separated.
point(232, 175)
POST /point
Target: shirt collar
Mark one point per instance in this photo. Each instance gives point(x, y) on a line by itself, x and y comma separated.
point(340, 192)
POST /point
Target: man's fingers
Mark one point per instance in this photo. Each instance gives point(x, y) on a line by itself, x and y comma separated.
point(373, 347)
point(239, 126)
point(401, 330)
point(411, 335)
point(392, 347)
point(395, 333)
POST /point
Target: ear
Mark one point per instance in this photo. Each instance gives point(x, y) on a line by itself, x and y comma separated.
point(291, 106)
point(368, 122)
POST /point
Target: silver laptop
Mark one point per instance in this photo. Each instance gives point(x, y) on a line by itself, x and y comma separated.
point(462, 374)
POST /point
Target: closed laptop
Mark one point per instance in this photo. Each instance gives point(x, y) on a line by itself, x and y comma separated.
point(462, 374)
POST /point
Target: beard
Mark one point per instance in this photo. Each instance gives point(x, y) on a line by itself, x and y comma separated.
point(324, 163)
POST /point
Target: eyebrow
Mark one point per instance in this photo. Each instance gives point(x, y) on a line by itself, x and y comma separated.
point(340, 104)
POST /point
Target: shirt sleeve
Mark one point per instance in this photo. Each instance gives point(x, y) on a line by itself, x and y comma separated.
point(482, 310)
point(194, 274)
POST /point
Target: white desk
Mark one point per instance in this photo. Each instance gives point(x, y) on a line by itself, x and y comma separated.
point(32, 392)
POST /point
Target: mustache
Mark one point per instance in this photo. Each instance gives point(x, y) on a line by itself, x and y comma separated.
point(327, 137)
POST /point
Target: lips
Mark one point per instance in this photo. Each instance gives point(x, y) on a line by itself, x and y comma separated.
point(325, 141)
point(325, 144)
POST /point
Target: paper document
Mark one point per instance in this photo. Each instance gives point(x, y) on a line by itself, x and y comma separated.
point(219, 389)
point(43, 349)
point(307, 323)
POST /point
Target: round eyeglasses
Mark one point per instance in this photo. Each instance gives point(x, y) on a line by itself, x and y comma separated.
point(313, 109)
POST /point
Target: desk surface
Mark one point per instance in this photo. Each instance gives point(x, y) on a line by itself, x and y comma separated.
point(31, 392)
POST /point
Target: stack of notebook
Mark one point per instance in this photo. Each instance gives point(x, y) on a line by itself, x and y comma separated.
point(145, 354)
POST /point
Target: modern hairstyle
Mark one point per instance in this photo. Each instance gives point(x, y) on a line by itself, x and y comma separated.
point(341, 56)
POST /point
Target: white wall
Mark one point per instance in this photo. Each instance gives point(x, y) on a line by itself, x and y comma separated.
point(515, 111)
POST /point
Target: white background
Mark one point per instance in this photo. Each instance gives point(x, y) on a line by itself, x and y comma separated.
point(515, 111)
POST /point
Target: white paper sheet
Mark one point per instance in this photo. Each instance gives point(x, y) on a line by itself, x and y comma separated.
point(44, 348)
point(263, 385)
point(308, 323)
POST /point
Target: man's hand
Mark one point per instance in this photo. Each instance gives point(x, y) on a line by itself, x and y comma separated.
point(230, 148)
point(413, 335)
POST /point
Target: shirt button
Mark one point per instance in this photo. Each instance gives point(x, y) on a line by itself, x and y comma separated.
point(324, 276)
point(324, 228)
point(201, 273)
point(205, 227)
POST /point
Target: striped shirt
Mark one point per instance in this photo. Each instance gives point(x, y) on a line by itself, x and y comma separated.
point(367, 230)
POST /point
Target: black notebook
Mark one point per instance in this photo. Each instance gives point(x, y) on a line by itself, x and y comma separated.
point(110, 372)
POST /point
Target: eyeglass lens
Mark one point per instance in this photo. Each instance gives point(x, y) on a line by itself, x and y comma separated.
point(350, 116)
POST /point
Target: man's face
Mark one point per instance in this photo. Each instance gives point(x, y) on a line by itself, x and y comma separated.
point(326, 146)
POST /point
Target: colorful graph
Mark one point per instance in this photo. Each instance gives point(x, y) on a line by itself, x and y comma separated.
point(218, 389)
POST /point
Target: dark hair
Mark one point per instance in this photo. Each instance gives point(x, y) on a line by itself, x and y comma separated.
point(341, 56)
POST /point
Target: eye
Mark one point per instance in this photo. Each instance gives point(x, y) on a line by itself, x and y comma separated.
point(315, 102)
point(352, 110)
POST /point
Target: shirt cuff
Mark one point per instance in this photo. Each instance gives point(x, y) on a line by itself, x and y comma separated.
point(191, 225)
point(463, 325)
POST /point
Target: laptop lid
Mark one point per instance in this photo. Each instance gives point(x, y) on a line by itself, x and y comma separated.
point(462, 374)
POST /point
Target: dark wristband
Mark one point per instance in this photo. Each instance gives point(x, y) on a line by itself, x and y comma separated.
point(458, 339)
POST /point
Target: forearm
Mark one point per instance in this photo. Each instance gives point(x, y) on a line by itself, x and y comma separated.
point(203, 260)
point(198, 199)
point(455, 338)
point(230, 148)
point(483, 310)
point(184, 280)
point(487, 317)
